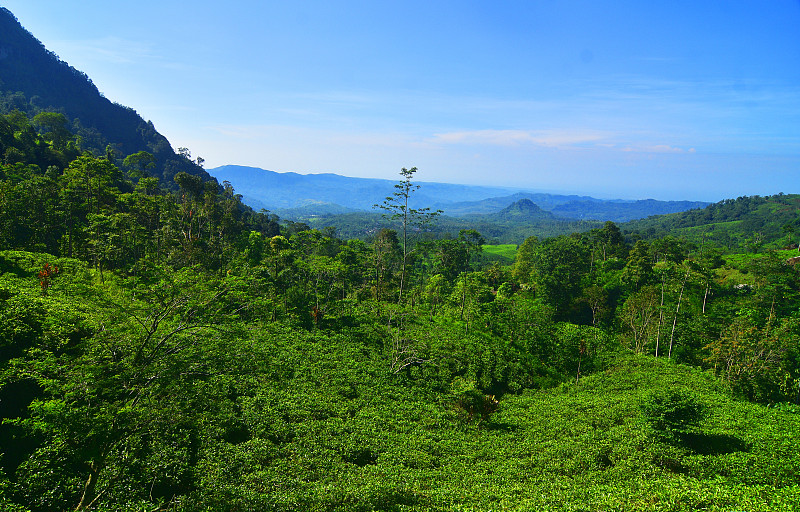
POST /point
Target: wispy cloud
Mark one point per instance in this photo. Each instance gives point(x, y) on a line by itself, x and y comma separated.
point(553, 139)
point(328, 137)
point(657, 148)
point(561, 140)
point(109, 49)
point(532, 139)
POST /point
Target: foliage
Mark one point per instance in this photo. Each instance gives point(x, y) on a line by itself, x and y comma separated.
point(399, 209)
point(471, 403)
point(671, 411)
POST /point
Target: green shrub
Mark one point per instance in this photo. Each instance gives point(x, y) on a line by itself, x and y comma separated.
point(671, 411)
point(470, 402)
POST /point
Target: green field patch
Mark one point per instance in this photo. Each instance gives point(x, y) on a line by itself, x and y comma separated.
point(737, 260)
point(503, 252)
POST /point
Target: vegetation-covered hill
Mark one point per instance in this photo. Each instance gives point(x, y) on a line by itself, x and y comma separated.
point(523, 210)
point(745, 223)
point(34, 80)
point(219, 406)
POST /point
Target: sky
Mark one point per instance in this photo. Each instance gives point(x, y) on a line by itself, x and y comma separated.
point(615, 99)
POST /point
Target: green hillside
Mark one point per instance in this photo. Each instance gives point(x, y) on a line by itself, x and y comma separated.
point(34, 80)
point(166, 348)
point(745, 223)
point(254, 414)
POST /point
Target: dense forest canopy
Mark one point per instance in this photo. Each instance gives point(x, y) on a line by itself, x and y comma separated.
point(164, 347)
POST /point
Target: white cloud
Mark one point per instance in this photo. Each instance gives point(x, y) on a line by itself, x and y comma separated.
point(551, 139)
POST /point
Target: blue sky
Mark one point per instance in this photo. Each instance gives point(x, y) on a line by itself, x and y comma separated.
point(632, 99)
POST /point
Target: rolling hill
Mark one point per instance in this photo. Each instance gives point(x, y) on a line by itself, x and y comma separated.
point(747, 222)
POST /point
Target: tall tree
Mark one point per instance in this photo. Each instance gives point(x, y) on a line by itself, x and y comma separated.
point(561, 265)
point(398, 208)
point(138, 164)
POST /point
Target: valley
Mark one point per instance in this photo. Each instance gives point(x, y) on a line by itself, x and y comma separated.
point(234, 339)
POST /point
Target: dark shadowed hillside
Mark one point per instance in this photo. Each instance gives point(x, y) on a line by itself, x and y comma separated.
point(34, 80)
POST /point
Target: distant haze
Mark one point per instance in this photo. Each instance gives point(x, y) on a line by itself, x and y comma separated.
point(301, 195)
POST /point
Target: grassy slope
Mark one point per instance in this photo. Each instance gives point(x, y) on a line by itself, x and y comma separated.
point(729, 223)
point(741, 258)
point(586, 447)
point(504, 253)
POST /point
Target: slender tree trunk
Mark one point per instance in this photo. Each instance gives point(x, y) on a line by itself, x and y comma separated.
point(660, 314)
point(463, 296)
point(675, 318)
point(88, 496)
point(405, 249)
point(402, 274)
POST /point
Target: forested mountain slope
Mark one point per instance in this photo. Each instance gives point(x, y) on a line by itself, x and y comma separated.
point(35, 80)
point(747, 223)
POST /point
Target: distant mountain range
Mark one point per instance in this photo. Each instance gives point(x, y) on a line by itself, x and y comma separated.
point(300, 196)
point(318, 192)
